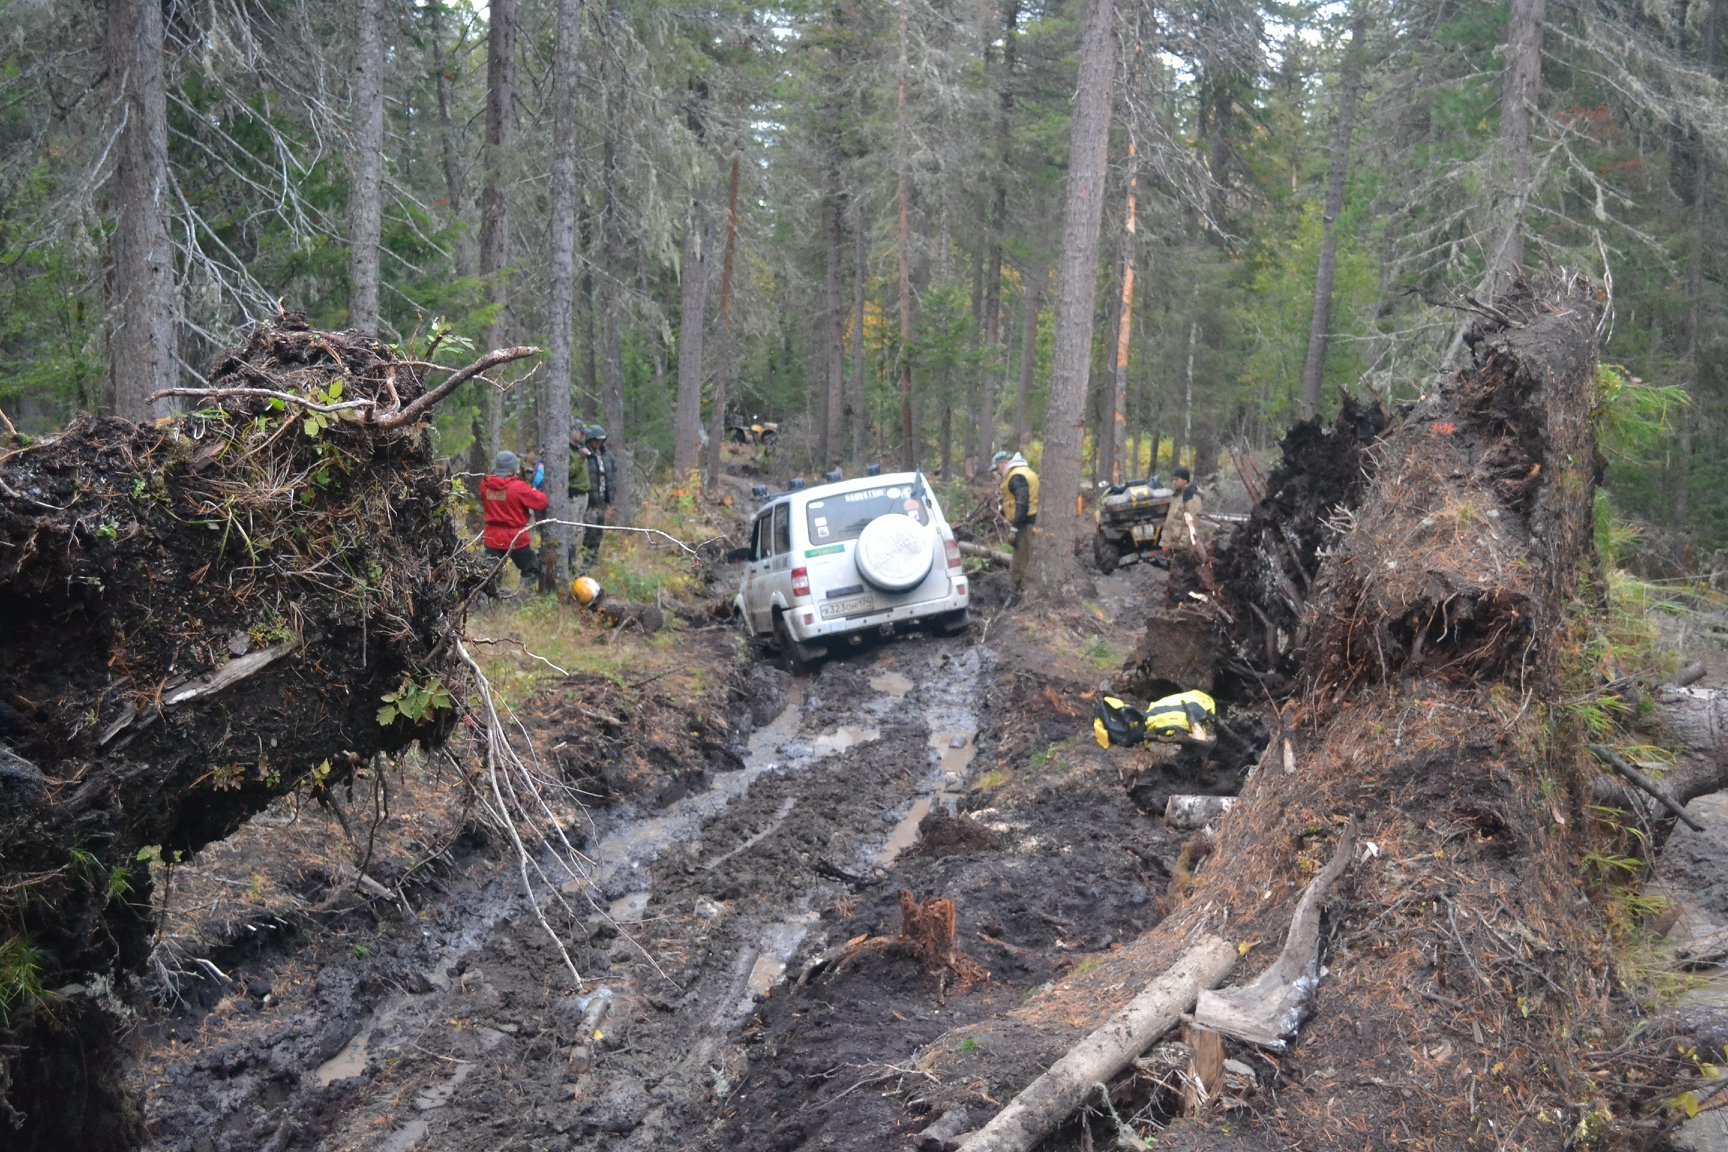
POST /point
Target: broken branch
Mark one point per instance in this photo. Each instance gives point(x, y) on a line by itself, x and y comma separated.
point(485, 364)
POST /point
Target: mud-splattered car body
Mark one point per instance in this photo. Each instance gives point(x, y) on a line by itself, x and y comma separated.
point(840, 561)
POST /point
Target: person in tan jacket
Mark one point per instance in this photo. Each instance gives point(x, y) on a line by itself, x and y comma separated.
point(1183, 526)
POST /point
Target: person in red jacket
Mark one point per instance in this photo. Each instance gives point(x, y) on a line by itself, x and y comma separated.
point(507, 499)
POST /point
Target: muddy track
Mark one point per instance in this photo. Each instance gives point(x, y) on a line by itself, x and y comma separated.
point(464, 1031)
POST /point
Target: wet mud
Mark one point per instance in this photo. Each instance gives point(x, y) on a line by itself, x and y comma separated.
point(725, 877)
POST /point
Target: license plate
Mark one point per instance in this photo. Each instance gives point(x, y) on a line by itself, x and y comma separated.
point(835, 609)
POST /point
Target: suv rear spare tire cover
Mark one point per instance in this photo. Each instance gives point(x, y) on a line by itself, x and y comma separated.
point(895, 552)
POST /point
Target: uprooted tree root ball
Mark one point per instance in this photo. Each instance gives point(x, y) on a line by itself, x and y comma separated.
point(198, 615)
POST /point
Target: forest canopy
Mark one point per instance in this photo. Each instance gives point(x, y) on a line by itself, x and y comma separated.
point(847, 218)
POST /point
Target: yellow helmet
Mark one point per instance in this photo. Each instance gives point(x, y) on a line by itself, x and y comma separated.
point(586, 589)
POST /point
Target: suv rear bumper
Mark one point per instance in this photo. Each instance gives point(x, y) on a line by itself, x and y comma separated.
point(807, 627)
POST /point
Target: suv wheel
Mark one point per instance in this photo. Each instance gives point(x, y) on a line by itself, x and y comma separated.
point(796, 658)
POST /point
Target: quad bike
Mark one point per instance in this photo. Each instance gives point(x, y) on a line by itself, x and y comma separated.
point(753, 431)
point(1130, 520)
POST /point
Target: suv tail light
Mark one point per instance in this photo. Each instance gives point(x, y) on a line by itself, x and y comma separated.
point(953, 550)
point(800, 582)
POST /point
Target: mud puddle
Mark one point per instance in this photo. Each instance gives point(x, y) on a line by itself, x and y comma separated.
point(464, 1030)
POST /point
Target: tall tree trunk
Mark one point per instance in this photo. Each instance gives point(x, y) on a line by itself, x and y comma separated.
point(494, 198)
point(366, 168)
point(449, 147)
point(1222, 104)
point(611, 261)
point(1521, 92)
point(909, 446)
point(1517, 130)
point(984, 434)
point(1115, 444)
point(1682, 496)
point(1182, 436)
point(1028, 353)
point(693, 306)
point(1319, 326)
point(857, 410)
point(1065, 418)
point(140, 267)
point(588, 298)
point(723, 361)
point(829, 451)
point(554, 422)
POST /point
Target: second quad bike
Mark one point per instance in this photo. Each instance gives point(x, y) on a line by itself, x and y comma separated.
point(752, 431)
point(1130, 520)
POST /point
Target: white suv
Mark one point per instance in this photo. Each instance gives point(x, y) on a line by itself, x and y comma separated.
point(839, 561)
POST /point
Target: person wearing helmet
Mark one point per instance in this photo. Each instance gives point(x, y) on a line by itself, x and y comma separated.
point(1020, 508)
point(506, 501)
point(604, 476)
point(581, 484)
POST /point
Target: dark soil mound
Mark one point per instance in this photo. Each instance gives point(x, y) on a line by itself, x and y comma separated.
point(1268, 570)
point(196, 615)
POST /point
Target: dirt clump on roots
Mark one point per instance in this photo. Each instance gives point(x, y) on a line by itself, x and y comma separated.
point(198, 613)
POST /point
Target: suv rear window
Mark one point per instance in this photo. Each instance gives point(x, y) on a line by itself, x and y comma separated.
point(833, 519)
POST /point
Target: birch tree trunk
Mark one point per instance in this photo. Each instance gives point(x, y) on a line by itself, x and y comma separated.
point(554, 421)
point(1314, 365)
point(366, 168)
point(494, 198)
point(140, 306)
point(1065, 417)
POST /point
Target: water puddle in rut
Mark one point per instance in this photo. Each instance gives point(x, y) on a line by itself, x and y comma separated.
point(953, 744)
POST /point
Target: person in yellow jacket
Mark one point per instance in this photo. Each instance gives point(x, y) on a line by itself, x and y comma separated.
point(1020, 509)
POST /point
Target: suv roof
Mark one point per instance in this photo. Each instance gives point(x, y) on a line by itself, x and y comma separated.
point(850, 485)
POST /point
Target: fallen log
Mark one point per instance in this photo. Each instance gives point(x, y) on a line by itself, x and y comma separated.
point(968, 548)
point(1049, 1099)
point(1187, 813)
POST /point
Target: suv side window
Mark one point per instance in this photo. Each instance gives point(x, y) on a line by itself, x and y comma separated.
point(782, 528)
point(759, 539)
